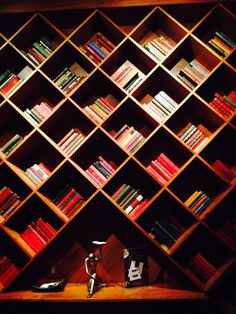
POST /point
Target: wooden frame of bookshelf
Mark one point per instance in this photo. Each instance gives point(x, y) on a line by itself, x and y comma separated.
point(80, 125)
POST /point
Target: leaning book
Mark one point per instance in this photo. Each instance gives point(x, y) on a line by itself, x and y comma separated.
point(135, 267)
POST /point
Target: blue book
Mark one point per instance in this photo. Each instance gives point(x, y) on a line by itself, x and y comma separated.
point(203, 206)
point(97, 49)
point(124, 127)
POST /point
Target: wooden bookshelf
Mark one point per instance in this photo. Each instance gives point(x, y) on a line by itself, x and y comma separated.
point(163, 123)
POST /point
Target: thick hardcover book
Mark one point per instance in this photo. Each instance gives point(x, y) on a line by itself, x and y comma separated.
point(135, 267)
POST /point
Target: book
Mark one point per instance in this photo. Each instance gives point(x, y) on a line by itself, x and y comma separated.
point(136, 271)
point(138, 208)
point(134, 203)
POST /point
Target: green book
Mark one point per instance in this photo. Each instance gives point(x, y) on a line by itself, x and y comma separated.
point(126, 190)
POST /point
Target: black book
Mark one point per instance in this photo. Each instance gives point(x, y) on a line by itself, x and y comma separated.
point(135, 267)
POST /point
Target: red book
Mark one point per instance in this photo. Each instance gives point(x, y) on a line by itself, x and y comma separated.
point(135, 202)
point(105, 39)
point(199, 202)
point(46, 228)
point(121, 188)
point(124, 72)
point(6, 192)
point(161, 169)
point(97, 181)
point(8, 275)
point(99, 101)
point(193, 276)
point(34, 238)
point(223, 169)
point(133, 140)
point(156, 175)
point(107, 103)
point(71, 204)
point(69, 141)
point(232, 96)
point(96, 175)
point(224, 101)
point(4, 264)
point(75, 205)
point(103, 43)
point(196, 145)
point(219, 110)
point(189, 141)
point(8, 202)
point(27, 237)
point(124, 133)
point(11, 85)
point(37, 236)
point(138, 208)
point(96, 55)
point(222, 106)
point(65, 137)
point(39, 231)
point(66, 197)
point(201, 271)
point(204, 263)
point(44, 168)
point(167, 163)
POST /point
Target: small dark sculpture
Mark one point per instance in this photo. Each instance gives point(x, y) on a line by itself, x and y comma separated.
point(91, 262)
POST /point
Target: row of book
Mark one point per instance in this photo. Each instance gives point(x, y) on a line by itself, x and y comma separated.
point(70, 77)
point(221, 44)
point(10, 80)
point(191, 73)
point(227, 231)
point(166, 231)
point(71, 140)
point(101, 170)
point(160, 45)
point(40, 50)
point(194, 136)
point(229, 173)
point(98, 47)
point(128, 137)
point(160, 107)
point(200, 268)
point(162, 169)
point(37, 234)
point(99, 108)
point(225, 104)
point(8, 201)
point(37, 173)
point(11, 144)
point(8, 271)
point(39, 112)
point(128, 76)
point(68, 200)
point(130, 199)
point(198, 202)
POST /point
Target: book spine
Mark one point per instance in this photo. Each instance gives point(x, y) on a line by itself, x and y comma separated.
point(162, 181)
point(96, 49)
point(137, 209)
point(135, 202)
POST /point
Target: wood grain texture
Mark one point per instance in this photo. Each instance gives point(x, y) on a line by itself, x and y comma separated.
point(41, 5)
point(115, 292)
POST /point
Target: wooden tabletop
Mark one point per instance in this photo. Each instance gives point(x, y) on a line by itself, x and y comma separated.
point(113, 292)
